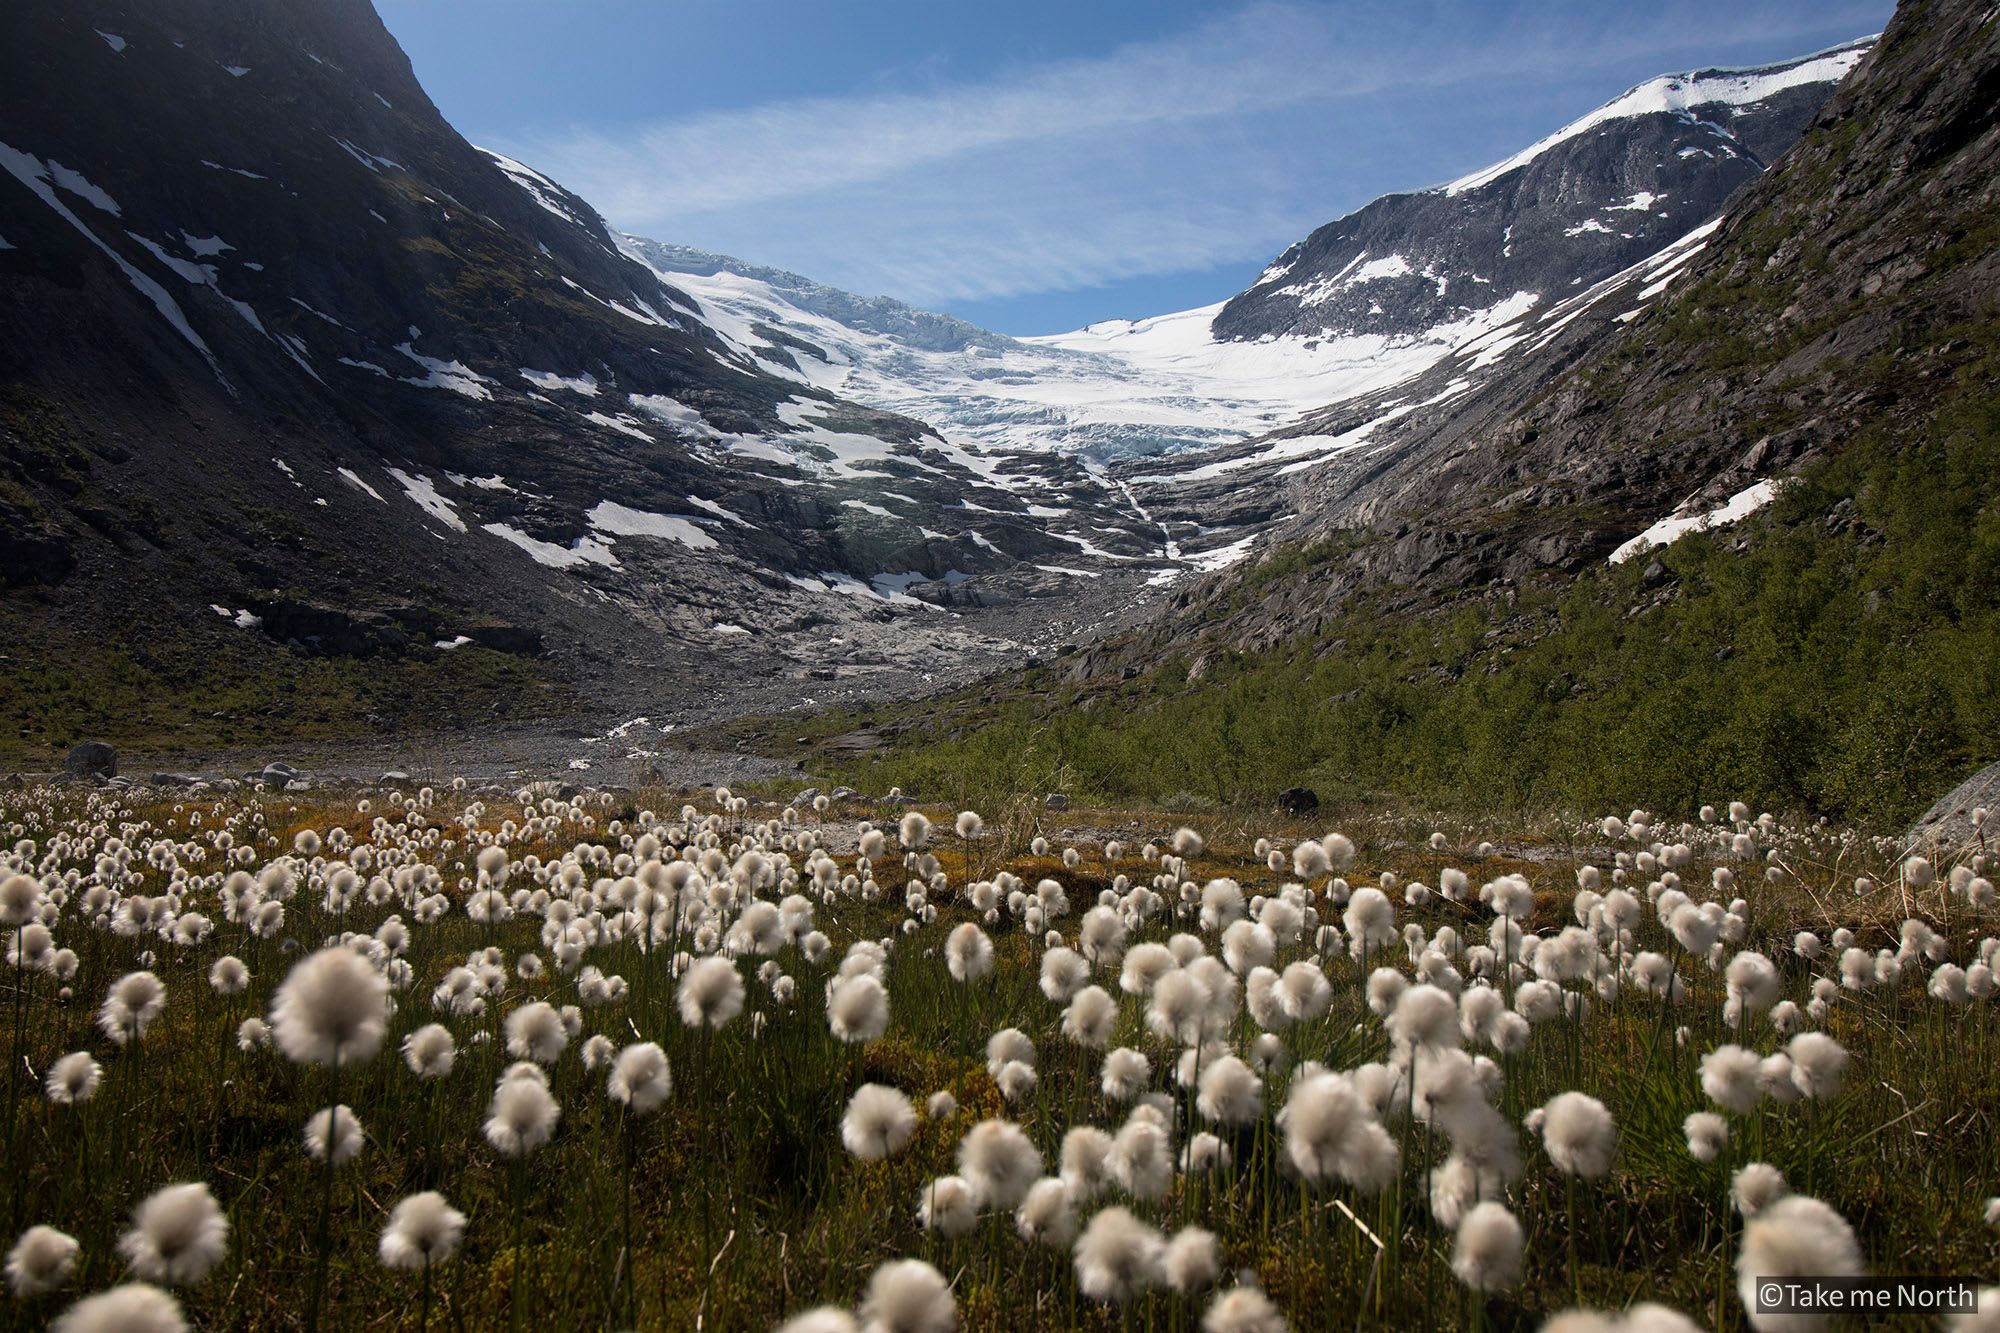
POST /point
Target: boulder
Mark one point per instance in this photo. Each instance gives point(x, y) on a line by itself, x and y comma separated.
point(174, 780)
point(91, 759)
point(1055, 800)
point(1298, 800)
point(1947, 825)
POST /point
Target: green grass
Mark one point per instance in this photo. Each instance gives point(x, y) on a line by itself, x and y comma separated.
point(173, 690)
point(745, 1207)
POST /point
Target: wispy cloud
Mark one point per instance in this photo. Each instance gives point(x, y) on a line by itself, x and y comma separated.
point(1217, 144)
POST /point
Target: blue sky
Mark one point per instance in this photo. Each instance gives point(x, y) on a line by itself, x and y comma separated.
point(1037, 165)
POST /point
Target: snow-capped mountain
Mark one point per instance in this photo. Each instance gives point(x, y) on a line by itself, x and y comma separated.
point(289, 362)
point(1599, 194)
point(1338, 331)
point(1363, 304)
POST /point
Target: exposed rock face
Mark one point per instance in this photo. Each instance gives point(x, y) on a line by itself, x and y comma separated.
point(1947, 827)
point(284, 358)
point(1599, 196)
point(1723, 363)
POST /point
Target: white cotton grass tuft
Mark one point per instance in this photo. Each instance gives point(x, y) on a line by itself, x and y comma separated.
point(857, 1009)
point(1000, 1162)
point(1086, 1162)
point(1486, 1256)
point(948, 1206)
point(1243, 1309)
point(332, 1009)
point(135, 1000)
point(880, 1122)
point(1127, 1073)
point(73, 1079)
point(40, 1261)
point(1707, 1135)
point(430, 1051)
point(522, 1115)
point(135, 1307)
point(1579, 1135)
point(710, 993)
point(1729, 1076)
point(1141, 1159)
point(640, 1078)
point(1229, 1093)
point(178, 1235)
point(1192, 1261)
point(1794, 1237)
point(1047, 1215)
point(423, 1230)
point(228, 976)
point(1756, 1187)
point(333, 1135)
point(535, 1032)
point(1118, 1257)
point(1331, 1133)
point(968, 953)
point(908, 1296)
point(1819, 1065)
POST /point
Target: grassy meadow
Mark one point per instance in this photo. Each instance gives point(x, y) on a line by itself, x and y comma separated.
point(1312, 1097)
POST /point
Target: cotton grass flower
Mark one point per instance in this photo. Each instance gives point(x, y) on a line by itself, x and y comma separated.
point(1486, 1255)
point(521, 1117)
point(135, 1307)
point(332, 1009)
point(430, 1051)
point(710, 993)
point(334, 1136)
point(1118, 1257)
point(535, 1032)
point(73, 1079)
point(857, 1009)
point(228, 976)
point(40, 1261)
point(1047, 1215)
point(1819, 1065)
point(908, 1296)
point(1229, 1093)
point(821, 1319)
point(135, 1000)
point(1243, 1309)
point(948, 1206)
point(1756, 1187)
point(1331, 1133)
point(1729, 1077)
point(640, 1078)
point(1579, 1135)
point(423, 1230)
point(1707, 1135)
point(968, 953)
point(178, 1235)
point(880, 1122)
point(1795, 1237)
point(1000, 1161)
point(1191, 1261)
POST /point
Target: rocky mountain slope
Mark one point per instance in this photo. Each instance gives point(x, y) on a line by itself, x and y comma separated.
point(1730, 513)
point(1351, 318)
point(1597, 196)
point(313, 415)
point(288, 368)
